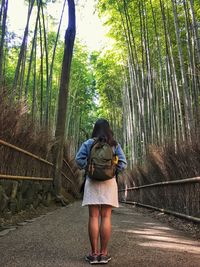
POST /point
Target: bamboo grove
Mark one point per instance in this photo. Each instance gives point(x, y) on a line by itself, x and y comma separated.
point(30, 69)
point(160, 44)
point(147, 84)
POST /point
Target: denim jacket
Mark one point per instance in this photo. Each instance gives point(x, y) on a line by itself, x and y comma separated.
point(83, 154)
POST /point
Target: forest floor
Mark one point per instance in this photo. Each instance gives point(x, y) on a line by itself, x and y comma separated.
point(59, 238)
point(190, 228)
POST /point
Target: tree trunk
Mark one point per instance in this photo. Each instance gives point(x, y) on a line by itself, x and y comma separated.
point(195, 58)
point(41, 74)
point(195, 29)
point(1, 10)
point(186, 98)
point(160, 88)
point(34, 84)
point(63, 96)
point(53, 57)
point(3, 31)
point(32, 50)
point(47, 69)
point(22, 48)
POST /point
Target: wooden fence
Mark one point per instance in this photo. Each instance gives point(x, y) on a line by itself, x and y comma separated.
point(15, 165)
point(177, 197)
point(47, 164)
point(27, 179)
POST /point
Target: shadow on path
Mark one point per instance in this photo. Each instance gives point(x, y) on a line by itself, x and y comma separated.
point(60, 239)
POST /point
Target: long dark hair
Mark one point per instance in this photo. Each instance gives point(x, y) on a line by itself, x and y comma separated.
point(103, 132)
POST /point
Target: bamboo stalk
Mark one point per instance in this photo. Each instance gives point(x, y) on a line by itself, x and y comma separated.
point(69, 168)
point(16, 177)
point(75, 188)
point(177, 214)
point(182, 181)
point(25, 152)
point(67, 178)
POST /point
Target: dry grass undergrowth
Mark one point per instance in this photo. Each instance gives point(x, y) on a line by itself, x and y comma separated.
point(18, 128)
point(169, 163)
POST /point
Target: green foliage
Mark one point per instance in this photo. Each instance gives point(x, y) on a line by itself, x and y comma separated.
point(81, 105)
point(109, 82)
point(134, 85)
point(154, 61)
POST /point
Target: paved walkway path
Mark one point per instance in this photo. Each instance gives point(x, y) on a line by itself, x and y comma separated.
point(60, 239)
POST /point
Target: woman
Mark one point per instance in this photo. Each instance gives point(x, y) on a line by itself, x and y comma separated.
point(100, 196)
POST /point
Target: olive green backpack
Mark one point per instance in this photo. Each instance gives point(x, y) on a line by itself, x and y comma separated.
point(102, 161)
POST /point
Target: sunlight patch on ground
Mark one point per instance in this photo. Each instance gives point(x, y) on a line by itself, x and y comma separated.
point(162, 228)
point(162, 238)
point(173, 246)
point(169, 239)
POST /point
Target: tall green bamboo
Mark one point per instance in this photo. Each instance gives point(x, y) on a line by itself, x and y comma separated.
point(63, 96)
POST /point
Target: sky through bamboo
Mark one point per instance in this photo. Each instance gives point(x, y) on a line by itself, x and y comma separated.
point(90, 29)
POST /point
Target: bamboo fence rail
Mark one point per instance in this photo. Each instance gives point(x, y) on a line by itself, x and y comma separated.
point(181, 181)
point(177, 197)
point(170, 212)
point(25, 152)
point(19, 177)
point(26, 178)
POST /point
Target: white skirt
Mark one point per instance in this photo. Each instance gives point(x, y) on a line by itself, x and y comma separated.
point(97, 193)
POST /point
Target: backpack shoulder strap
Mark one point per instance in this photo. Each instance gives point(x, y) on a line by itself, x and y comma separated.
point(89, 155)
point(93, 144)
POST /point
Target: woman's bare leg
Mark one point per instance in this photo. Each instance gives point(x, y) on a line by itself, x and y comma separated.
point(93, 227)
point(105, 227)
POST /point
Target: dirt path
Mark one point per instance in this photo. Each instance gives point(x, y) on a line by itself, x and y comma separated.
point(60, 239)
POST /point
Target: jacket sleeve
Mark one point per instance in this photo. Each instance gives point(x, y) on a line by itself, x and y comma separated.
point(122, 163)
point(83, 153)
